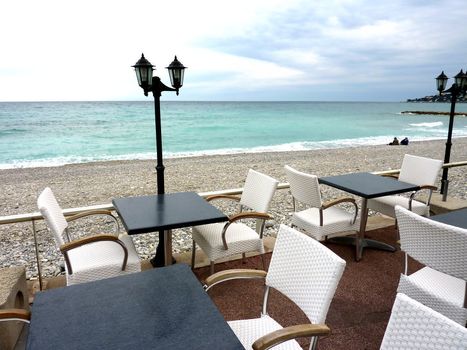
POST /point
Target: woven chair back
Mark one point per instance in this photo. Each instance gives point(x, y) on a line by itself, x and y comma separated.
point(305, 271)
point(419, 170)
point(258, 191)
point(53, 215)
point(304, 187)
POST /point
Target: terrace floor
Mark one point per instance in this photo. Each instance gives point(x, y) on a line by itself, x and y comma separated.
point(358, 313)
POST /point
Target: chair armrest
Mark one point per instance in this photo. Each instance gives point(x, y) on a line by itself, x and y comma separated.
point(334, 202)
point(277, 337)
point(232, 274)
point(15, 315)
point(249, 215)
point(241, 216)
point(94, 212)
point(91, 239)
point(338, 201)
point(431, 188)
point(223, 196)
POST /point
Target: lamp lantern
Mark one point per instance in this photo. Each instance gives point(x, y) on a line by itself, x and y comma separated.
point(459, 78)
point(441, 81)
point(176, 72)
point(144, 69)
point(464, 82)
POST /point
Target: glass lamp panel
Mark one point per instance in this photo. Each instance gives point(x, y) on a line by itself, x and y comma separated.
point(176, 77)
point(459, 78)
point(464, 80)
point(441, 81)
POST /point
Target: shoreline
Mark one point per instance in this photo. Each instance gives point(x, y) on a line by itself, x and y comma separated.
point(86, 184)
point(281, 148)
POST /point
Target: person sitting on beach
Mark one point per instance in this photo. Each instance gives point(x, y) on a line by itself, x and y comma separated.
point(405, 141)
point(394, 142)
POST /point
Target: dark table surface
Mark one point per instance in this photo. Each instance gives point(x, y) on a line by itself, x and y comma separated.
point(367, 185)
point(163, 308)
point(455, 218)
point(169, 211)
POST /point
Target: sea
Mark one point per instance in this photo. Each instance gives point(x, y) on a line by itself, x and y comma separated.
point(42, 134)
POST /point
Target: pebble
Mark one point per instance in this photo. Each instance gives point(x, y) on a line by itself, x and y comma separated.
point(80, 185)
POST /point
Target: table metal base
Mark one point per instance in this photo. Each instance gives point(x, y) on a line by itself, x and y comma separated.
point(364, 243)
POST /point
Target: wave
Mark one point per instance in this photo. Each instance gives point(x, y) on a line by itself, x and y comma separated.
point(287, 147)
point(427, 125)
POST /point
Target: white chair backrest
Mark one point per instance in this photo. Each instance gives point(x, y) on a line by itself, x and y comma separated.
point(304, 187)
point(440, 246)
point(258, 191)
point(53, 215)
point(305, 271)
point(419, 170)
point(413, 325)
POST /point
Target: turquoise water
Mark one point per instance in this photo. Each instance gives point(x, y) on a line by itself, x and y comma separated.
point(56, 133)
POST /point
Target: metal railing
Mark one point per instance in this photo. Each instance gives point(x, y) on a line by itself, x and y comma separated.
point(35, 216)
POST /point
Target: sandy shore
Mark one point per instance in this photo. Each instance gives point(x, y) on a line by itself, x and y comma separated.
point(87, 184)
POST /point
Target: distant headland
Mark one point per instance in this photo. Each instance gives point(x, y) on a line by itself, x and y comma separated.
point(438, 98)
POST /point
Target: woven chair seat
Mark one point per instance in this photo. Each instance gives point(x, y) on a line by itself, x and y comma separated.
point(106, 261)
point(385, 205)
point(240, 239)
point(247, 331)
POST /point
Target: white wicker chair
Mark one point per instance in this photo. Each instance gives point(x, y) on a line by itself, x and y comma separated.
point(307, 273)
point(89, 258)
point(415, 170)
point(413, 325)
point(441, 285)
point(222, 240)
point(319, 220)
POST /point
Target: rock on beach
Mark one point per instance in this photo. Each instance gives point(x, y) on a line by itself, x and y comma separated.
point(80, 185)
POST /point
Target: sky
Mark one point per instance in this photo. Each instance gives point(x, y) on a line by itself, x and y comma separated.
point(242, 50)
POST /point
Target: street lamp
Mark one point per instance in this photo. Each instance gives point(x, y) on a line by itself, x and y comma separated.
point(149, 83)
point(457, 89)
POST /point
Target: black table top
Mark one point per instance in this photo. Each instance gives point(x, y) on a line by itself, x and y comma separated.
point(367, 185)
point(455, 218)
point(168, 211)
point(164, 308)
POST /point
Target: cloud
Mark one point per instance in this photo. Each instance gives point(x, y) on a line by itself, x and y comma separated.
point(244, 49)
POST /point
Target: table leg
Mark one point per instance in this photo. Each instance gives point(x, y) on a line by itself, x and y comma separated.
point(361, 233)
point(363, 242)
point(168, 247)
point(360, 241)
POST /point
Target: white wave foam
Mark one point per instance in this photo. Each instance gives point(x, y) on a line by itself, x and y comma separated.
point(287, 147)
point(427, 125)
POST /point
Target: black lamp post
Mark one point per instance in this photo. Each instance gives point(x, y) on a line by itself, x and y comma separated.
point(149, 83)
point(458, 88)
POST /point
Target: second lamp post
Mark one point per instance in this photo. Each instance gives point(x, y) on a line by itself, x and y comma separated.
point(457, 89)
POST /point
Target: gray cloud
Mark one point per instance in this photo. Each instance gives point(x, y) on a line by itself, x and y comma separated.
point(401, 44)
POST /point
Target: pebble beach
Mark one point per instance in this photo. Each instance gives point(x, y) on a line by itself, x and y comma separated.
point(87, 184)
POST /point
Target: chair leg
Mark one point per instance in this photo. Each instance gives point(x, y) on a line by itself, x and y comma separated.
point(212, 267)
point(243, 258)
point(263, 262)
point(398, 236)
point(193, 255)
point(314, 343)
